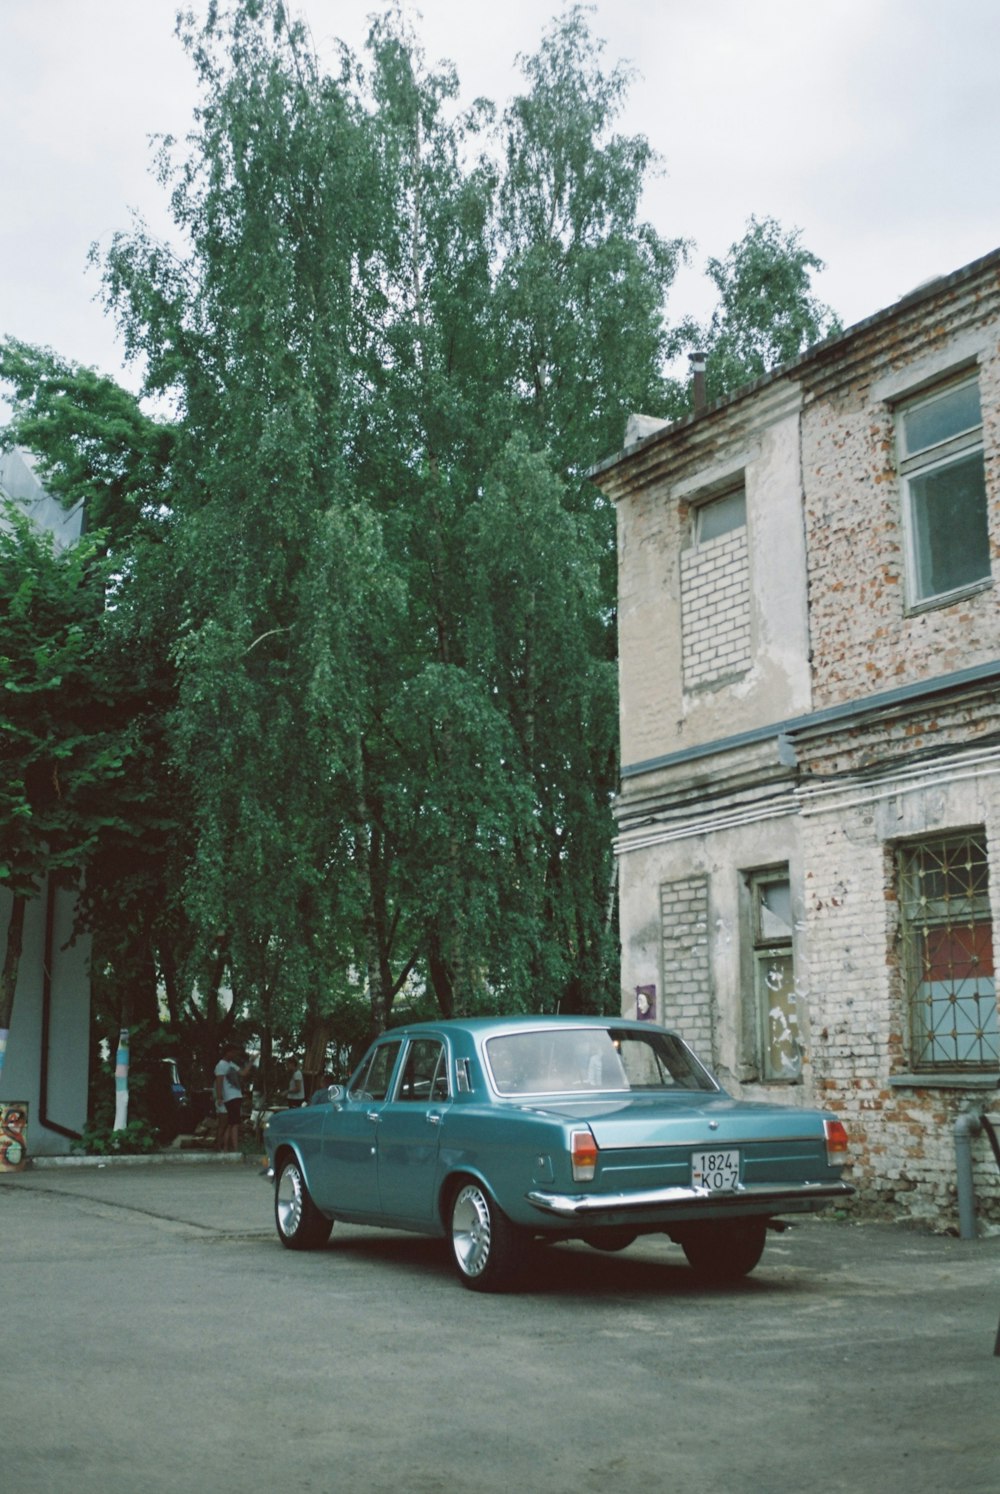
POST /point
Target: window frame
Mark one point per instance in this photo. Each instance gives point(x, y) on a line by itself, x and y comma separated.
point(711, 500)
point(937, 456)
point(439, 1076)
point(924, 1035)
point(764, 950)
point(391, 1048)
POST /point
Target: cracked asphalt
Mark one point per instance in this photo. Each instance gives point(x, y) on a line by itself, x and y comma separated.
point(155, 1336)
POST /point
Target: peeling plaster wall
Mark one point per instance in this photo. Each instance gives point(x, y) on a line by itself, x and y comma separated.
point(658, 715)
point(902, 1128)
point(864, 638)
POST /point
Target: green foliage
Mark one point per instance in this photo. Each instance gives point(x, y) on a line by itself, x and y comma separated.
point(100, 1139)
point(398, 335)
point(63, 747)
point(363, 626)
point(90, 439)
point(60, 746)
point(583, 281)
point(767, 314)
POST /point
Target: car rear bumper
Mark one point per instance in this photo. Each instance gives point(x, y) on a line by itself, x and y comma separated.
point(760, 1197)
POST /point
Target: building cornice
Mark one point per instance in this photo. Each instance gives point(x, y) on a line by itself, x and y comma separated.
point(646, 459)
point(848, 713)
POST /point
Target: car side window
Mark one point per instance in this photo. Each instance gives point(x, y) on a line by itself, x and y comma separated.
point(425, 1072)
point(372, 1082)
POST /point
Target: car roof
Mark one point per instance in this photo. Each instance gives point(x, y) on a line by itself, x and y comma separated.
point(497, 1026)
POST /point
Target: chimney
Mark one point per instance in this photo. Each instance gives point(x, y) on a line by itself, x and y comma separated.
point(697, 362)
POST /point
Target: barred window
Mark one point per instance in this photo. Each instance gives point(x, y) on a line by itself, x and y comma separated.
point(948, 953)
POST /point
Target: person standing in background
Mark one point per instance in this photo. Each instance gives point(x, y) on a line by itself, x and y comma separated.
point(229, 1095)
point(296, 1093)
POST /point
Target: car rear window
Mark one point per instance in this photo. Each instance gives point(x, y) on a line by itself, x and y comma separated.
point(587, 1059)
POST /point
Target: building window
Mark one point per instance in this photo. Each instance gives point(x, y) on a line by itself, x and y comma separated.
point(944, 488)
point(720, 516)
point(948, 953)
point(774, 975)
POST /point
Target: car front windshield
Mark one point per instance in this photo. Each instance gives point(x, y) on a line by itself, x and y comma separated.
point(580, 1060)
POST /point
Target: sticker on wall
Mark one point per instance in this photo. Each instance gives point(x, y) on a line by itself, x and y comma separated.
point(645, 1003)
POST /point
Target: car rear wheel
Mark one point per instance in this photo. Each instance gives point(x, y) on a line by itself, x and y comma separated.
point(300, 1224)
point(724, 1251)
point(488, 1249)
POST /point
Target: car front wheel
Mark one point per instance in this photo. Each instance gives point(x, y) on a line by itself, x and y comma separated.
point(724, 1251)
point(487, 1248)
point(300, 1224)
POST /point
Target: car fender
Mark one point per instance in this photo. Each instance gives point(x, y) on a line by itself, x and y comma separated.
point(291, 1146)
point(507, 1164)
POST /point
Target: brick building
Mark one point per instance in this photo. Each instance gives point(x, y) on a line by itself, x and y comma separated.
point(808, 823)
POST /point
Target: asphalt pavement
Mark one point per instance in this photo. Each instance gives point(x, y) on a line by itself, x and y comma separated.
point(156, 1337)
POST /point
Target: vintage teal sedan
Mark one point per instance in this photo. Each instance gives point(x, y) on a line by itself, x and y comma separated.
point(495, 1132)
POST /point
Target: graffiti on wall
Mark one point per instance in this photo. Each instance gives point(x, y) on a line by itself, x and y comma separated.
point(13, 1135)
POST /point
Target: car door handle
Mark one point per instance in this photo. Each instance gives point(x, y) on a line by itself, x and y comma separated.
point(372, 1115)
point(433, 1117)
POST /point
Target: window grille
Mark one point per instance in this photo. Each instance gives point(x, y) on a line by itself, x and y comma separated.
point(947, 951)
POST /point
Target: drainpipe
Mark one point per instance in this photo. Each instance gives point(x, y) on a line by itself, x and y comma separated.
point(966, 1126)
point(699, 399)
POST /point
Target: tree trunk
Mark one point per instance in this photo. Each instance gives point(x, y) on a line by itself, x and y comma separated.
point(441, 976)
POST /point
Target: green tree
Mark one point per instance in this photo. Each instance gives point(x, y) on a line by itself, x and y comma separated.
point(397, 330)
point(62, 747)
point(250, 335)
point(767, 314)
point(91, 440)
point(363, 629)
point(582, 280)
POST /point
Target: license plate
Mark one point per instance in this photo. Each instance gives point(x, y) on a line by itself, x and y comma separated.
point(719, 1172)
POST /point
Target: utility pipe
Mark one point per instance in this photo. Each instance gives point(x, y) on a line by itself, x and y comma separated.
point(967, 1125)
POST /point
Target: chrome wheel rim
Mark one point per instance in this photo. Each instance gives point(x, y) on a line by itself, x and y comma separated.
point(470, 1230)
point(288, 1200)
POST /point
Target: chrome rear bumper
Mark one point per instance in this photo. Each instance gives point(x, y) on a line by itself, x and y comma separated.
point(577, 1205)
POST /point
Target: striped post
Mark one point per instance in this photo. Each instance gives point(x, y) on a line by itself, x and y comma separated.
point(121, 1081)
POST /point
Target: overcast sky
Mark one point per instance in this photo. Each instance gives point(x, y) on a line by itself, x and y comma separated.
point(871, 125)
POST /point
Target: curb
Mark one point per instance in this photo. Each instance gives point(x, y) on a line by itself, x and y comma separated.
point(149, 1159)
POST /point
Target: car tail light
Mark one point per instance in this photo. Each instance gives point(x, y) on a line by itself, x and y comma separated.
point(836, 1143)
point(583, 1150)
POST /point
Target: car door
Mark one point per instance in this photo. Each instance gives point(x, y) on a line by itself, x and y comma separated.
point(347, 1182)
point(409, 1133)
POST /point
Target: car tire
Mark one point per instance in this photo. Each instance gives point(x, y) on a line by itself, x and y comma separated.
point(300, 1224)
point(487, 1248)
point(610, 1240)
point(724, 1251)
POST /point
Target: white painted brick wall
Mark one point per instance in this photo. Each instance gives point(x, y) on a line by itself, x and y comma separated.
point(715, 609)
point(685, 963)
